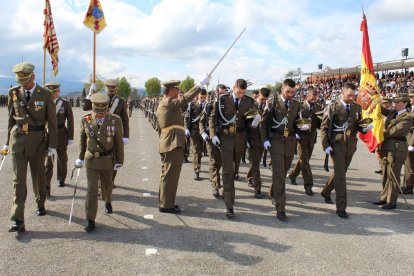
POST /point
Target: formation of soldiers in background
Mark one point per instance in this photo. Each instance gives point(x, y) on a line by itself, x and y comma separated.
point(217, 124)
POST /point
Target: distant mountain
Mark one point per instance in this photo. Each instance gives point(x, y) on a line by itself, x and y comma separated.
point(67, 87)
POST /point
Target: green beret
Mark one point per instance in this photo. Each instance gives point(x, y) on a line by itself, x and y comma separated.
point(386, 99)
point(23, 71)
point(403, 97)
point(111, 83)
point(100, 98)
point(411, 92)
point(172, 83)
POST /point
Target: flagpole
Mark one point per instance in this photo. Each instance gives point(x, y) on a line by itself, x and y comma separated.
point(94, 58)
point(44, 66)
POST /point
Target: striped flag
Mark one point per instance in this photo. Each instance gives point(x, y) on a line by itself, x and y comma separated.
point(368, 95)
point(50, 38)
point(94, 18)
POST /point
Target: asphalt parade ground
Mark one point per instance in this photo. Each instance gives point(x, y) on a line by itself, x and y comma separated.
point(137, 239)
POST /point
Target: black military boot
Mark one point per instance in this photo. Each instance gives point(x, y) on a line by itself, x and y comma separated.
point(61, 183)
point(41, 211)
point(108, 208)
point(18, 227)
point(90, 227)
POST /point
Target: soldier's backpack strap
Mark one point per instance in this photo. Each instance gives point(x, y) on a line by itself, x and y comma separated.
point(114, 105)
point(93, 136)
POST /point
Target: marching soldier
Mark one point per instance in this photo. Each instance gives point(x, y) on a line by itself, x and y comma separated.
point(192, 131)
point(172, 140)
point(278, 131)
point(228, 130)
point(117, 106)
point(339, 140)
point(102, 152)
point(30, 108)
point(65, 126)
point(256, 147)
point(393, 150)
point(307, 140)
point(213, 151)
point(408, 186)
point(130, 106)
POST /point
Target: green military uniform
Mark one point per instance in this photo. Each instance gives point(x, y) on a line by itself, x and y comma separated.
point(130, 106)
point(213, 151)
point(172, 142)
point(279, 128)
point(408, 186)
point(229, 124)
point(191, 121)
point(255, 153)
point(100, 160)
point(342, 138)
point(393, 151)
point(117, 106)
point(28, 139)
point(307, 140)
point(65, 126)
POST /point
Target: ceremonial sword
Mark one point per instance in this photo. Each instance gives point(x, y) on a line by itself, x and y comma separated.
point(74, 191)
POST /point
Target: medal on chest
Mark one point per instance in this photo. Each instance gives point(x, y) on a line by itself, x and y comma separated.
point(286, 131)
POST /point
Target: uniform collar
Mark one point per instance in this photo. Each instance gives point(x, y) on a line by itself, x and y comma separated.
point(401, 111)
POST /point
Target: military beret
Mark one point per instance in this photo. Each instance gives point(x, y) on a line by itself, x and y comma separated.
point(386, 100)
point(172, 83)
point(100, 98)
point(52, 84)
point(23, 71)
point(410, 92)
point(402, 97)
point(111, 82)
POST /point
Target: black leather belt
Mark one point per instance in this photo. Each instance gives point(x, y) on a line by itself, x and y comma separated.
point(401, 139)
point(100, 153)
point(26, 127)
point(238, 129)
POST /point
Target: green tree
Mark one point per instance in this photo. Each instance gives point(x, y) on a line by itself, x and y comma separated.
point(124, 88)
point(187, 84)
point(153, 87)
point(99, 83)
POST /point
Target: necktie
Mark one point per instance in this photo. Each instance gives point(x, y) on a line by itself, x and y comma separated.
point(348, 109)
point(261, 107)
point(28, 95)
point(236, 103)
point(286, 104)
point(395, 115)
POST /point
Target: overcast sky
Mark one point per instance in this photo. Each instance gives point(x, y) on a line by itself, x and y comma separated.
point(171, 39)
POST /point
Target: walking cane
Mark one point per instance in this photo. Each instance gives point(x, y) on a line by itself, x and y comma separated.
point(74, 191)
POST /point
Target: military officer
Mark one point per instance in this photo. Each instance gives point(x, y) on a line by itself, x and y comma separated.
point(408, 186)
point(278, 131)
point(339, 140)
point(31, 108)
point(191, 121)
point(172, 140)
point(307, 140)
point(394, 149)
point(130, 106)
point(255, 148)
point(213, 151)
point(102, 152)
point(117, 106)
point(228, 127)
point(65, 125)
point(386, 103)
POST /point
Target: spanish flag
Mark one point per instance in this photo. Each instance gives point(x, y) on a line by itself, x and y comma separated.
point(95, 19)
point(368, 95)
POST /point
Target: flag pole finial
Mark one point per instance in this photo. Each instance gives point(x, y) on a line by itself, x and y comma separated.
point(362, 7)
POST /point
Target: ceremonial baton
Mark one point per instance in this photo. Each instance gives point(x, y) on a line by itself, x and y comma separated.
point(74, 192)
point(2, 161)
point(225, 54)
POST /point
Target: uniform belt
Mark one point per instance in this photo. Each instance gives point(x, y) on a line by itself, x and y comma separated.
point(238, 129)
point(61, 126)
point(30, 127)
point(168, 129)
point(100, 153)
point(401, 139)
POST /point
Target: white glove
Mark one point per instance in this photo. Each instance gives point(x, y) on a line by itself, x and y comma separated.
point(267, 145)
point(117, 166)
point(51, 151)
point(215, 140)
point(79, 163)
point(305, 128)
point(91, 90)
point(328, 150)
point(205, 136)
point(125, 140)
point(410, 148)
point(256, 120)
point(368, 128)
point(297, 137)
point(205, 81)
point(248, 145)
point(70, 142)
point(187, 133)
point(5, 147)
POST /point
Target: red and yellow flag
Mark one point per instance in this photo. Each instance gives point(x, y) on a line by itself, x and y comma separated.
point(50, 39)
point(368, 95)
point(94, 18)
